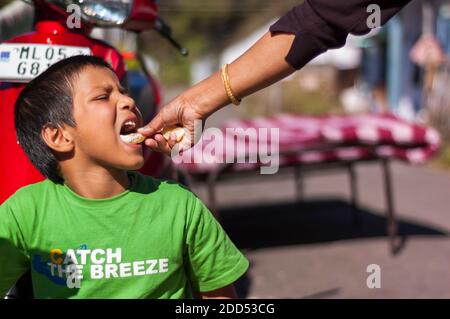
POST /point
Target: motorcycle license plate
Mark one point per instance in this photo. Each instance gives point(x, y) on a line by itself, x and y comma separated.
point(22, 62)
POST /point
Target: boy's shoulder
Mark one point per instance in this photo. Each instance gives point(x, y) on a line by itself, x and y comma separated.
point(160, 187)
point(25, 203)
point(163, 189)
point(33, 190)
point(166, 190)
point(167, 194)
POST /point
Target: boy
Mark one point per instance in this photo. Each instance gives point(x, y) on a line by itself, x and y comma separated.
point(95, 228)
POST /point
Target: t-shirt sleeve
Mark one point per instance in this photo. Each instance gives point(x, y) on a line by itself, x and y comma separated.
point(13, 259)
point(214, 261)
point(320, 25)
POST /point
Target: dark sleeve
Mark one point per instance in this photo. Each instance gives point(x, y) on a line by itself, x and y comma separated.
point(320, 25)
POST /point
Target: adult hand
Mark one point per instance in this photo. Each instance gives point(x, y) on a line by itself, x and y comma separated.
point(259, 67)
point(181, 112)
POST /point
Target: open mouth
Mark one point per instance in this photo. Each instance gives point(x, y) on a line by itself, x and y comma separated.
point(129, 134)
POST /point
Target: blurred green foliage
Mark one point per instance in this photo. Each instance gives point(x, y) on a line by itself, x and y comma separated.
point(4, 2)
point(205, 27)
point(310, 102)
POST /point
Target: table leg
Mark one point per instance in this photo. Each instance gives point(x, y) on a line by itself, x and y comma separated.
point(391, 221)
point(298, 183)
point(354, 194)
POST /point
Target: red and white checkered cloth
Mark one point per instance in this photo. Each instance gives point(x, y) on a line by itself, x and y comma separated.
point(317, 139)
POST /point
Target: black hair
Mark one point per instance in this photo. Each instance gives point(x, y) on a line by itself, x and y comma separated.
point(47, 100)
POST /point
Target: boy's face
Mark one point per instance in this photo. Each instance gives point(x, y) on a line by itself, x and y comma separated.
point(101, 109)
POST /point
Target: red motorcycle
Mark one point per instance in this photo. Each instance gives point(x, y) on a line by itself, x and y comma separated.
point(62, 29)
point(57, 35)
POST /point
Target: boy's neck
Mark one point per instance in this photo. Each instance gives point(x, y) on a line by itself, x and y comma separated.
point(97, 184)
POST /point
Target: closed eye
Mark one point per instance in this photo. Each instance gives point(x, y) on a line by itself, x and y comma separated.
point(102, 97)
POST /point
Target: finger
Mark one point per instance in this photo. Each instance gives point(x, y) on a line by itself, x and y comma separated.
point(172, 140)
point(166, 116)
point(152, 144)
point(162, 144)
point(155, 125)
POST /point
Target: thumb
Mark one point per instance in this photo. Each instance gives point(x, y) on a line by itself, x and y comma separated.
point(155, 125)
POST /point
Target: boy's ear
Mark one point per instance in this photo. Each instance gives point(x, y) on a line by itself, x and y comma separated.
point(58, 138)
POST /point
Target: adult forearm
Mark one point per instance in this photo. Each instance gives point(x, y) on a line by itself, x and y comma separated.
point(260, 66)
point(300, 35)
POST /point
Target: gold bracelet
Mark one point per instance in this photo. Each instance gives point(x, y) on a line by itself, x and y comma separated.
point(226, 83)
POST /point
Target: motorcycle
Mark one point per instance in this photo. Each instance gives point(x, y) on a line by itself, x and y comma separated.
point(62, 29)
point(25, 56)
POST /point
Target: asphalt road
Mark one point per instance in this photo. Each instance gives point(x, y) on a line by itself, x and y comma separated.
point(312, 249)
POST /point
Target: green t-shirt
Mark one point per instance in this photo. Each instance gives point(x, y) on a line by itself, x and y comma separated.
point(155, 240)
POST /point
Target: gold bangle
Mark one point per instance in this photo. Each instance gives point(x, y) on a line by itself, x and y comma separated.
point(226, 83)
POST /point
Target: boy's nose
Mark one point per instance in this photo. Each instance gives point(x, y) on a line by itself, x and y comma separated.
point(126, 103)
